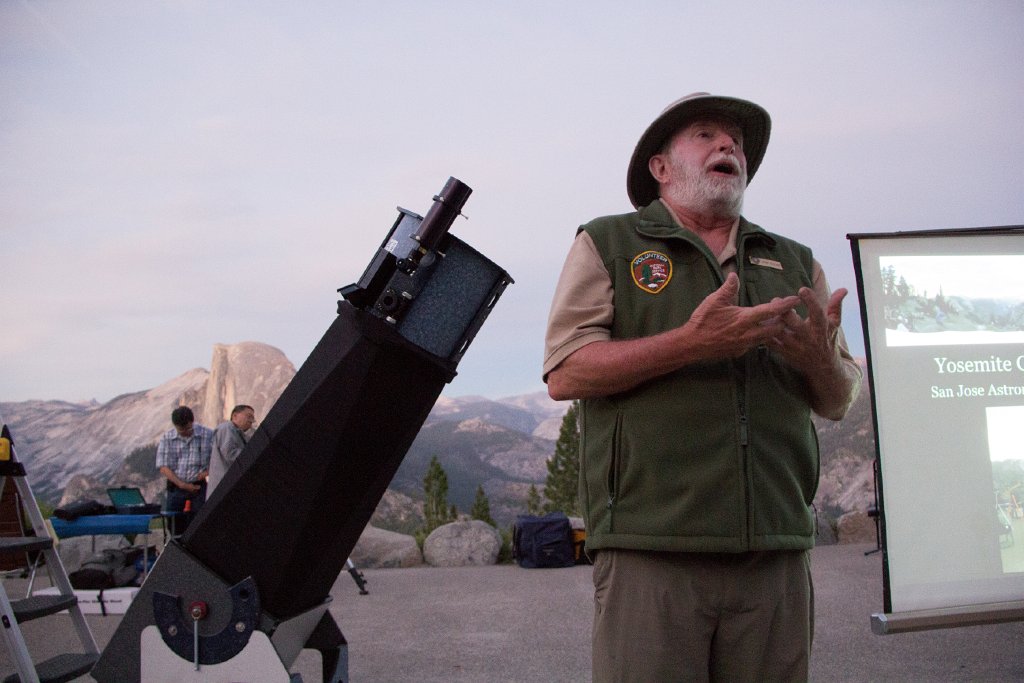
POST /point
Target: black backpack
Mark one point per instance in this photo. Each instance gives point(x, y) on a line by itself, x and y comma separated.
point(110, 568)
point(543, 541)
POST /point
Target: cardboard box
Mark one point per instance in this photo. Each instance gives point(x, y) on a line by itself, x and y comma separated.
point(109, 601)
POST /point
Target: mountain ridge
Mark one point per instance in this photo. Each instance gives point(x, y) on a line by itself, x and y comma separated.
point(75, 450)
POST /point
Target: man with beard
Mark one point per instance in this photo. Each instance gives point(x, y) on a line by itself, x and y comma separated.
point(698, 344)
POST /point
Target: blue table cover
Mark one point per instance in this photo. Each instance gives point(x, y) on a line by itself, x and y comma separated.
point(99, 525)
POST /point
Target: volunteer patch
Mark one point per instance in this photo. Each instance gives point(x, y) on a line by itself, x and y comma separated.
point(651, 271)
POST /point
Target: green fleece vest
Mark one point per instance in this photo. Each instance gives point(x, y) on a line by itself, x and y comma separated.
point(715, 457)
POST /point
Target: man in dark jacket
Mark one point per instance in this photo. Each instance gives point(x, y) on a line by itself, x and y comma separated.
point(699, 345)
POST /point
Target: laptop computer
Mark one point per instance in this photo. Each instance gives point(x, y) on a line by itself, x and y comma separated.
point(128, 500)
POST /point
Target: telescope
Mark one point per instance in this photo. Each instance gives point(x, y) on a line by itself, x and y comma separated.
point(247, 586)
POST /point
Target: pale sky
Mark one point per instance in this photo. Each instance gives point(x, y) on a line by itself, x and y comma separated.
point(989, 276)
point(179, 174)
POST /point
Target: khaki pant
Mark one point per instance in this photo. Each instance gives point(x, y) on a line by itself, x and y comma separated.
point(661, 616)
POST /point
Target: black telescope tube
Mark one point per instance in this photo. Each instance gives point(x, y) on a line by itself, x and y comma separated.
point(447, 206)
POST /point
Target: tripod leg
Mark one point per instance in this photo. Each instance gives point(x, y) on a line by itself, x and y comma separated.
point(357, 576)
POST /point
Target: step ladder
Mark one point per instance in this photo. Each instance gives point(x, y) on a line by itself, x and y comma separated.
point(63, 667)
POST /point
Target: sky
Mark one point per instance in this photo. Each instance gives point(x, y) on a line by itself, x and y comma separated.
point(175, 175)
point(971, 276)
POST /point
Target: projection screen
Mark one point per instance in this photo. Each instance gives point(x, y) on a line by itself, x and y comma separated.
point(943, 321)
point(943, 317)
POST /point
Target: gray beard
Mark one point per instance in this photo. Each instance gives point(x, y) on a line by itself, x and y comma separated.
point(708, 195)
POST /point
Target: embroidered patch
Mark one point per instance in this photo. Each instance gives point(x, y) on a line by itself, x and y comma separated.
point(651, 271)
point(767, 262)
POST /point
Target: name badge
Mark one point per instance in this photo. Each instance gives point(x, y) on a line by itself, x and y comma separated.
point(766, 262)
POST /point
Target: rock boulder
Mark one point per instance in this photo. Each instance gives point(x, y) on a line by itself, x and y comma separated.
point(857, 527)
point(462, 544)
point(381, 549)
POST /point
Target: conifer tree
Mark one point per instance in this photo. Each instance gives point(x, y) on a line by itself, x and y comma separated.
point(562, 486)
point(533, 505)
point(482, 507)
point(435, 502)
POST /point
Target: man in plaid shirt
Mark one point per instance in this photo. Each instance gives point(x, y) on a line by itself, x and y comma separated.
point(183, 457)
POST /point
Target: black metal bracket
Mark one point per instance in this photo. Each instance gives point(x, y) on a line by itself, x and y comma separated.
point(178, 633)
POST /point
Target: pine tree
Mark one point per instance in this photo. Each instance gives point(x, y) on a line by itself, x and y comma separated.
point(435, 503)
point(562, 486)
point(533, 506)
point(482, 507)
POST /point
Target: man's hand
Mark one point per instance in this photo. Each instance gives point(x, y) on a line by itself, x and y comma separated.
point(174, 479)
point(810, 345)
point(722, 328)
point(718, 328)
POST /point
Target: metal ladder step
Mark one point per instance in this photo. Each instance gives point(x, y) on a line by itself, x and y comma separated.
point(12, 545)
point(61, 668)
point(37, 606)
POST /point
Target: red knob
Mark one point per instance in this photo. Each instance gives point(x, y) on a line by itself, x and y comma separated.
point(198, 610)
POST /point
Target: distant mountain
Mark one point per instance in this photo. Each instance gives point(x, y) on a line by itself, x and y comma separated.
point(77, 450)
point(58, 441)
point(476, 452)
point(529, 414)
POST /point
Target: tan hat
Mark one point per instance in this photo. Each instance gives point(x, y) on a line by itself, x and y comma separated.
point(752, 119)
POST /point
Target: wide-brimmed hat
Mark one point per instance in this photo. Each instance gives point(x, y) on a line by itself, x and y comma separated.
point(752, 119)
